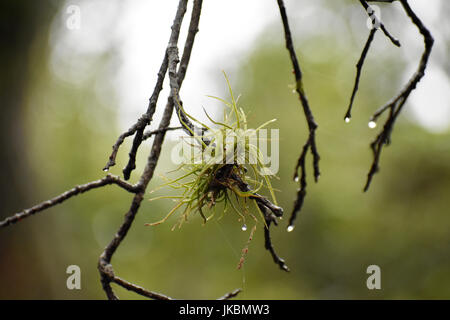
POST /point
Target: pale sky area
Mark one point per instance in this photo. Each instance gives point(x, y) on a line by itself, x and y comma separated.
point(228, 29)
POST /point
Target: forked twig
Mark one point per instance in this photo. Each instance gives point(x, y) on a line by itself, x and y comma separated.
point(396, 104)
point(312, 126)
point(376, 25)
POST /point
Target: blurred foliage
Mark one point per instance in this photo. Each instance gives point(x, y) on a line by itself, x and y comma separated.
point(401, 224)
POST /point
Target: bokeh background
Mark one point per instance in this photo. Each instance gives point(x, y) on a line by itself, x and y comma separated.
point(67, 94)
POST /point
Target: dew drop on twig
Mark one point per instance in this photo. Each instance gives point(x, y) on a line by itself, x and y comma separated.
point(290, 228)
point(372, 124)
point(347, 119)
point(244, 227)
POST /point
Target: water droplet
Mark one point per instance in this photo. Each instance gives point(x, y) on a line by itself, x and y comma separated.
point(106, 169)
point(290, 228)
point(372, 124)
point(296, 179)
point(347, 119)
point(244, 227)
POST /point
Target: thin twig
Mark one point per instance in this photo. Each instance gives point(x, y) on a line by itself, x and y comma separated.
point(107, 180)
point(139, 290)
point(301, 191)
point(230, 295)
point(271, 213)
point(139, 126)
point(359, 66)
point(146, 118)
point(376, 22)
point(312, 126)
point(193, 29)
point(104, 264)
point(267, 239)
point(149, 134)
point(395, 106)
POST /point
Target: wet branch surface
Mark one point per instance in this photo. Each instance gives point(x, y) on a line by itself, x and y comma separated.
point(395, 105)
point(310, 144)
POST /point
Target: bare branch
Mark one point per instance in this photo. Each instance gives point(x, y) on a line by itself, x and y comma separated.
point(139, 290)
point(107, 180)
point(269, 218)
point(230, 295)
point(312, 126)
point(376, 22)
point(396, 104)
point(301, 191)
point(149, 134)
point(139, 126)
point(359, 66)
point(104, 264)
point(385, 1)
point(271, 213)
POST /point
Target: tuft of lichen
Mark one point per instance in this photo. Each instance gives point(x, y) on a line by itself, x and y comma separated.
point(224, 167)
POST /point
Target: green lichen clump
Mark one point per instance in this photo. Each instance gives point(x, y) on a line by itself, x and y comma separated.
point(234, 180)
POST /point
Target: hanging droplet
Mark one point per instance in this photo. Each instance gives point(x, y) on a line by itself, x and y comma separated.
point(296, 179)
point(372, 124)
point(244, 227)
point(347, 119)
point(290, 228)
point(106, 169)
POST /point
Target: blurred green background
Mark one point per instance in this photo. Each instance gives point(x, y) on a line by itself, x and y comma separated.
point(56, 134)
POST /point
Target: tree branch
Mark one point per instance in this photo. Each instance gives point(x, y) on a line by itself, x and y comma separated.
point(139, 290)
point(149, 134)
point(269, 218)
point(139, 126)
point(104, 263)
point(230, 295)
point(312, 126)
point(107, 180)
point(376, 24)
point(359, 66)
point(395, 106)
